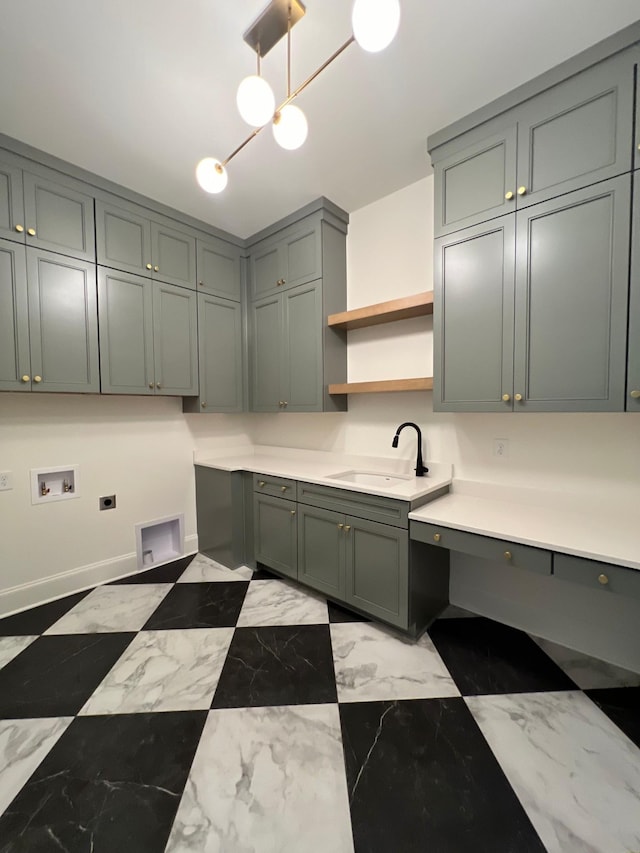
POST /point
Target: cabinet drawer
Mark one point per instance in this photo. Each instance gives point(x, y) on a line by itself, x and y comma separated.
point(372, 507)
point(511, 553)
point(275, 486)
point(602, 576)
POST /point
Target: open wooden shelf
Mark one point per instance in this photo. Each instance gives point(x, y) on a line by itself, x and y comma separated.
point(423, 383)
point(418, 305)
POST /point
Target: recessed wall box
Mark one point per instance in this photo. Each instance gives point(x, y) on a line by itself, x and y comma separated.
point(54, 484)
point(163, 538)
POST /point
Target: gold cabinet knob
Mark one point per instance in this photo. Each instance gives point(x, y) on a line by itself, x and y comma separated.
point(31, 232)
point(158, 385)
point(204, 405)
point(19, 228)
point(262, 484)
point(508, 555)
point(26, 378)
point(151, 385)
point(293, 512)
point(149, 266)
point(508, 195)
point(635, 394)
point(436, 537)
point(283, 488)
point(347, 528)
point(638, 146)
point(281, 403)
point(156, 269)
point(518, 397)
point(286, 403)
point(201, 284)
point(341, 527)
point(522, 190)
point(37, 378)
point(506, 397)
point(280, 282)
point(603, 579)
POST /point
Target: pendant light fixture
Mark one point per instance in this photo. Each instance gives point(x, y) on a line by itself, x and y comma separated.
point(375, 24)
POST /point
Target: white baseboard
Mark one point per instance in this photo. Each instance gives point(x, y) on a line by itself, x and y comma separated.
point(41, 591)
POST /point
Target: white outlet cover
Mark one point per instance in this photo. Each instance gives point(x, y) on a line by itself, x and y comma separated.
point(501, 448)
point(6, 481)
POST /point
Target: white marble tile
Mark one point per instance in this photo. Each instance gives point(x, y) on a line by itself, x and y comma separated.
point(266, 780)
point(164, 671)
point(587, 672)
point(112, 608)
point(274, 602)
point(23, 745)
point(371, 663)
point(10, 647)
point(576, 774)
point(203, 569)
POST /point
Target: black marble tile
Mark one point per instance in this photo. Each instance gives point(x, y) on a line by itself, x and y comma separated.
point(263, 574)
point(54, 676)
point(277, 665)
point(422, 777)
point(110, 784)
point(169, 573)
point(341, 614)
point(485, 657)
point(200, 605)
point(622, 705)
point(36, 620)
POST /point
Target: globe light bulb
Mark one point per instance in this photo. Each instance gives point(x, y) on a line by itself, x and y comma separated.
point(256, 101)
point(211, 175)
point(290, 127)
point(375, 23)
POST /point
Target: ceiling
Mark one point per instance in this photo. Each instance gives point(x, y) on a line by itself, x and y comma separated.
point(140, 90)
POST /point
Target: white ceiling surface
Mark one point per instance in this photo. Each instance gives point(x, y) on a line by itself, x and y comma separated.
point(139, 90)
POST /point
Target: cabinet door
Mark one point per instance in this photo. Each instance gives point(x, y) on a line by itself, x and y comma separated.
point(578, 132)
point(301, 254)
point(321, 550)
point(123, 239)
point(61, 217)
point(472, 185)
point(219, 269)
point(275, 534)
point(14, 319)
point(473, 318)
point(266, 268)
point(633, 362)
point(175, 340)
point(125, 312)
point(173, 256)
point(266, 355)
point(11, 202)
point(571, 301)
point(377, 570)
point(302, 357)
point(220, 342)
point(63, 323)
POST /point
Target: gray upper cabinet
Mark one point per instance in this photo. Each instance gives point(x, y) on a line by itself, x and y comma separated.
point(15, 358)
point(266, 349)
point(291, 258)
point(58, 218)
point(219, 269)
point(11, 200)
point(174, 255)
point(572, 268)
point(302, 358)
point(123, 239)
point(175, 341)
point(633, 363)
point(473, 318)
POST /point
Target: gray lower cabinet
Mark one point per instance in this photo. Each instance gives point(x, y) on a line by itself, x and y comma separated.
point(148, 336)
point(219, 267)
point(321, 550)
point(633, 356)
point(275, 534)
point(48, 322)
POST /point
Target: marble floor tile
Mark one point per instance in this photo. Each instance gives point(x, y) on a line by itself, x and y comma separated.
point(112, 608)
point(36, 620)
point(199, 605)
point(164, 671)
point(277, 665)
point(109, 784)
point(10, 647)
point(484, 656)
point(269, 780)
point(23, 745)
point(421, 777)
point(274, 602)
point(585, 671)
point(576, 775)
point(54, 676)
point(203, 569)
point(371, 663)
point(342, 614)
point(168, 573)
point(622, 705)
point(452, 611)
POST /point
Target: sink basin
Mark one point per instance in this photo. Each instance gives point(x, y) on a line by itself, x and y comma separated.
point(370, 478)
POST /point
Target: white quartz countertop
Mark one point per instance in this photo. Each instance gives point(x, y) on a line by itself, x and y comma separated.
point(320, 467)
point(563, 524)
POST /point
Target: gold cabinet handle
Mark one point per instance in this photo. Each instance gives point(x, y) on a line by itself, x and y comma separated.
point(26, 378)
point(508, 195)
point(280, 282)
point(603, 579)
point(293, 512)
point(158, 385)
point(151, 385)
point(436, 537)
point(19, 228)
point(635, 394)
point(508, 555)
point(201, 284)
point(204, 405)
point(341, 527)
point(518, 397)
point(156, 269)
point(31, 232)
point(347, 528)
point(281, 403)
point(283, 488)
point(149, 266)
point(262, 484)
point(522, 190)
point(286, 403)
point(506, 397)
point(37, 378)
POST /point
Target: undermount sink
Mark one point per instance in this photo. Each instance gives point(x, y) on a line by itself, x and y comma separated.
point(370, 478)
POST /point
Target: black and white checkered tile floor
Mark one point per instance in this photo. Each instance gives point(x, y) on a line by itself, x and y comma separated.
point(191, 708)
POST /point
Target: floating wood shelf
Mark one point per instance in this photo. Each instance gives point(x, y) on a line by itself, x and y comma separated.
point(418, 305)
point(424, 383)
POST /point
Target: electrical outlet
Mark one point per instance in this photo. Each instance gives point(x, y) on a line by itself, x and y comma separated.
point(6, 481)
point(501, 448)
point(107, 502)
